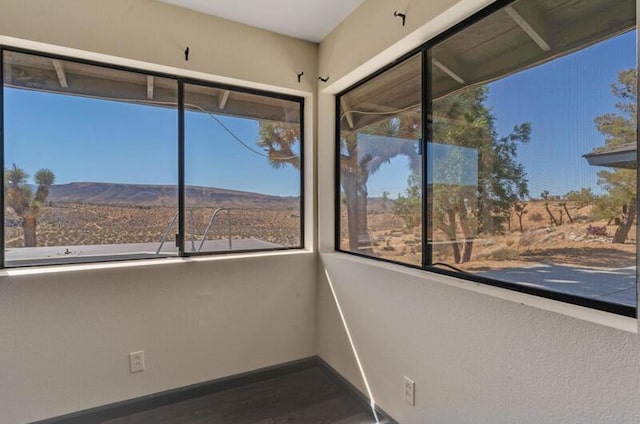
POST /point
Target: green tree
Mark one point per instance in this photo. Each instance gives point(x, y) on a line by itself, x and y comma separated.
point(392, 137)
point(409, 206)
point(19, 197)
point(620, 128)
point(582, 197)
point(464, 120)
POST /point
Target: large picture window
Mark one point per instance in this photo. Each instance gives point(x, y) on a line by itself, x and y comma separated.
point(92, 165)
point(530, 153)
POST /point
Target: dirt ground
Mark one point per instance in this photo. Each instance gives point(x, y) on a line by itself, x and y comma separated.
point(540, 241)
point(73, 224)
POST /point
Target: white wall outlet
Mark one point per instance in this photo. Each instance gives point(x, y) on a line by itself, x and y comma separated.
point(136, 361)
point(409, 391)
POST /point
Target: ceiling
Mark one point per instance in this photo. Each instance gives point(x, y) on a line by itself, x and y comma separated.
point(309, 20)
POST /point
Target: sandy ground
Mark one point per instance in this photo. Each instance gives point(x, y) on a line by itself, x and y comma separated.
point(562, 257)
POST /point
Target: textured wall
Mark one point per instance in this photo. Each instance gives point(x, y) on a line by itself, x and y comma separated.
point(474, 358)
point(477, 354)
point(65, 336)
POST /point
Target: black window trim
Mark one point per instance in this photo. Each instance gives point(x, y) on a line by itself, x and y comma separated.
point(180, 81)
point(424, 49)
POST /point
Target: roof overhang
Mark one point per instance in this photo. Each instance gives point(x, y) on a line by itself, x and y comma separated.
point(53, 75)
point(522, 35)
point(624, 156)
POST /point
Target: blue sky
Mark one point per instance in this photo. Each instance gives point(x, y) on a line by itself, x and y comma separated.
point(560, 99)
point(84, 139)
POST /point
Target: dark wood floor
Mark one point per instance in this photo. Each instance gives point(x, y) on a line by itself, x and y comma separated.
point(309, 396)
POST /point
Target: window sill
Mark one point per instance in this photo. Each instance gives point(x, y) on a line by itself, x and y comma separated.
point(94, 266)
point(574, 311)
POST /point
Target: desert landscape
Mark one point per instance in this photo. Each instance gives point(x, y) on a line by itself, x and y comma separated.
point(102, 213)
point(577, 244)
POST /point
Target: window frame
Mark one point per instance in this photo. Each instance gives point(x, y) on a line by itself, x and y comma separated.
point(179, 144)
point(427, 131)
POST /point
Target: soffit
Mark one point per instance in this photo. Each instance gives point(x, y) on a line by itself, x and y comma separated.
point(520, 36)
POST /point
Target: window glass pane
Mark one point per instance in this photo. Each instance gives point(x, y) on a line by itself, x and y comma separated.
point(532, 163)
point(90, 162)
point(242, 171)
point(381, 166)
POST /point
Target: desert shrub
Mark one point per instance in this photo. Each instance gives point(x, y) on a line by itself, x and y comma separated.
point(526, 240)
point(594, 230)
point(409, 206)
point(387, 247)
point(504, 253)
point(582, 198)
point(536, 217)
point(441, 251)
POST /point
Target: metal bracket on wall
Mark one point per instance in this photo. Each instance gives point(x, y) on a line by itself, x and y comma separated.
point(400, 15)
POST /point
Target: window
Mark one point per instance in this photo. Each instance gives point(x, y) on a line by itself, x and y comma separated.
point(380, 208)
point(530, 153)
point(242, 171)
point(92, 165)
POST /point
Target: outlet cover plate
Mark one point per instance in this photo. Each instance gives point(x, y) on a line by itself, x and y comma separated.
point(136, 361)
point(409, 391)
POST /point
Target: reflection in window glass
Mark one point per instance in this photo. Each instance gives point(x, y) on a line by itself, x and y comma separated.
point(90, 162)
point(381, 166)
point(242, 171)
point(532, 163)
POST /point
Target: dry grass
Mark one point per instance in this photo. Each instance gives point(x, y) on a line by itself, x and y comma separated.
point(539, 242)
point(72, 224)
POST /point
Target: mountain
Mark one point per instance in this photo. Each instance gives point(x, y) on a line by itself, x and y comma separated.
point(163, 195)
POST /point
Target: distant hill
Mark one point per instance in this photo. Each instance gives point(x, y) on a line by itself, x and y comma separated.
point(163, 195)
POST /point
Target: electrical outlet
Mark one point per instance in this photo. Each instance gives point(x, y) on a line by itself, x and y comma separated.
point(136, 361)
point(409, 391)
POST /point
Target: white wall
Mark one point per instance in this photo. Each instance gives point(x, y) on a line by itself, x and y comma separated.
point(474, 358)
point(65, 335)
point(477, 354)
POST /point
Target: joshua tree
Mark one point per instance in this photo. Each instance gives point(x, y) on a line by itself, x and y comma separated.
point(278, 140)
point(396, 136)
point(19, 197)
point(545, 197)
point(520, 209)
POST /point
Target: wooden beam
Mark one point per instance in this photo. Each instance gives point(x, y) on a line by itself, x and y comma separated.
point(376, 108)
point(62, 77)
point(149, 87)
point(134, 91)
point(224, 97)
point(448, 71)
point(534, 34)
point(346, 111)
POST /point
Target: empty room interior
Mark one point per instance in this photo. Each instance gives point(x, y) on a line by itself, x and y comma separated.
point(349, 211)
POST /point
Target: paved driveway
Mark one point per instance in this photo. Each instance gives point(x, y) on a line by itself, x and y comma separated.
point(617, 285)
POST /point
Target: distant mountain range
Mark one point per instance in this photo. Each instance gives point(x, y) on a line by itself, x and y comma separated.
point(163, 195)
